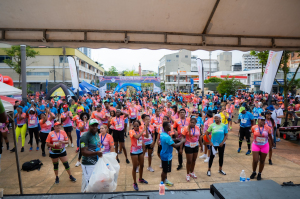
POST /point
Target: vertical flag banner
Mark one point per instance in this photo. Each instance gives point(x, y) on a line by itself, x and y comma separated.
point(156, 89)
point(192, 85)
point(102, 90)
point(270, 71)
point(199, 65)
point(73, 72)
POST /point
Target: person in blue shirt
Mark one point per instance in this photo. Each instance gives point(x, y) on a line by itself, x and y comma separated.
point(207, 108)
point(257, 111)
point(53, 109)
point(199, 121)
point(224, 97)
point(180, 99)
point(246, 120)
point(217, 108)
point(86, 107)
point(229, 97)
point(40, 108)
point(166, 156)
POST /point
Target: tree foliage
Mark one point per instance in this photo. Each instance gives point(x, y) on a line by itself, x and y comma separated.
point(263, 58)
point(213, 80)
point(131, 73)
point(15, 62)
point(230, 86)
point(112, 71)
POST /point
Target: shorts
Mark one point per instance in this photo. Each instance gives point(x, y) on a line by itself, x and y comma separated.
point(118, 136)
point(136, 154)
point(189, 150)
point(166, 166)
point(148, 146)
point(278, 126)
point(159, 148)
point(261, 148)
point(57, 155)
point(68, 129)
point(229, 119)
point(132, 120)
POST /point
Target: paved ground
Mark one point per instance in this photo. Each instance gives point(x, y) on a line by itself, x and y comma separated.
point(286, 166)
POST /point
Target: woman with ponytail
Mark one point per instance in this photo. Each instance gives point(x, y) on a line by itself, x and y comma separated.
point(191, 133)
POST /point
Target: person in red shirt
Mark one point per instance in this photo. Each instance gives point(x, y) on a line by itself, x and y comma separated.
point(179, 125)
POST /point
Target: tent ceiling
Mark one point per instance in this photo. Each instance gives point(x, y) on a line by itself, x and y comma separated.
point(153, 24)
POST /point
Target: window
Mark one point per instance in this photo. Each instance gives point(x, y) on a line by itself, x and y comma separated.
point(4, 57)
point(177, 55)
point(186, 56)
point(61, 59)
point(37, 73)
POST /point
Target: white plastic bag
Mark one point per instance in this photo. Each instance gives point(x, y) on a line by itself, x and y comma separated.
point(102, 178)
point(110, 158)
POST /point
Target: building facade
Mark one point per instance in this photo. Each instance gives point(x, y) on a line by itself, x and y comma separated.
point(209, 65)
point(50, 65)
point(250, 62)
point(225, 61)
point(86, 51)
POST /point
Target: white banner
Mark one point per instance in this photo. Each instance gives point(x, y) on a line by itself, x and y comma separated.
point(102, 91)
point(73, 72)
point(199, 65)
point(270, 71)
point(156, 89)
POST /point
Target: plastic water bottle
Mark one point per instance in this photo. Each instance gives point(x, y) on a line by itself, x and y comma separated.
point(108, 167)
point(248, 179)
point(161, 188)
point(243, 176)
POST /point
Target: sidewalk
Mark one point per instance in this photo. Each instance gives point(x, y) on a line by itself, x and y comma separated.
point(286, 166)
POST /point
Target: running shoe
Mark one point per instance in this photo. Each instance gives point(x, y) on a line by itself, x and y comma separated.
point(222, 172)
point(179, 167)
point(137, 169)
point(22, 149)
point(258, 176)
point(135, 186)
point(278, 140)
point(77, 164)
point(37, 148)
point(44, 154)
point(193, 175)
point(204, 156)
point(188, 177)
point(66, 145)
point(72, 145)
point(249, 152)
point(30, 149)
point(143, 181)
point(146, 155)
point(127, 161)
point(207, 159)
point(239, 150)
point(13, 150)
point(208, 173)
point(168, 183)
point(270, 162)
point(72, 178)
point(77, 150)
point(150, 169)
point(56, 180)
point(253, 175)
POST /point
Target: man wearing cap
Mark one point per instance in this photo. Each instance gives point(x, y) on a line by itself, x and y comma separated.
point(246, 120)
point(66, 118)
point(90, 148)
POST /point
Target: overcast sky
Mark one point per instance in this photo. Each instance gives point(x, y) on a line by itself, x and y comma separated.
point(124, 59)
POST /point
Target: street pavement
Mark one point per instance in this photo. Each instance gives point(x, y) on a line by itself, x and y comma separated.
point(286, 166)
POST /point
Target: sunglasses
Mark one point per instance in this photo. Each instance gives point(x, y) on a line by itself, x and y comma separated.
point(85, 117)
point(135, 125)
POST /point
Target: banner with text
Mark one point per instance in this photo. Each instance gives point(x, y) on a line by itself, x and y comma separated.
point(129, 79)
point(102, 91)
point(270, 71)
point(192, 85)
point(199, 65)
point(73, 72)
point(156, 89)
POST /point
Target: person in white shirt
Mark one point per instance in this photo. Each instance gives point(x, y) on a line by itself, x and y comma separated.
point(279, 115)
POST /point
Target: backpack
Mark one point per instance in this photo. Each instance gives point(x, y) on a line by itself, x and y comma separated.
point(32, 165)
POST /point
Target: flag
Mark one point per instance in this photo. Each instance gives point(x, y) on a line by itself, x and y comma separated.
point(192, 85)
point(73, 72)
point(270, 71)
point(199, 65)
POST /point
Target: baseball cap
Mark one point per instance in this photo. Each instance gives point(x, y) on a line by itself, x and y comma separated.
point(270, 108)
point(261, 118)
point(242, 109)
point(57, 123)
point(31, 109)
point(93, 121)
point(65, 106)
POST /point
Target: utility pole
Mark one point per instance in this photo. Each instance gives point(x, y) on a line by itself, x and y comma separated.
point(209, 64)
point(54, 70)
point(23, 73)
point(64, 58)
point(178, 80)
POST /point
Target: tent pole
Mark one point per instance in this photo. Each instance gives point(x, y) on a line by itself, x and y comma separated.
point(16, 154)
point(23, 73)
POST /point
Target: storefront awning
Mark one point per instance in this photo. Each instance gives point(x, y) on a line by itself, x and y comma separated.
point(153, 24)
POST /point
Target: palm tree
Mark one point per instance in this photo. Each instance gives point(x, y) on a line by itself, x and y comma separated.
point(131, 73)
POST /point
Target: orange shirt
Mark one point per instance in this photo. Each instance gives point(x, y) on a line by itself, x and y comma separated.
point(191, 140)
point(118, 123)
point(179, 124)
point(53, 138)
point(136, 144)
point(133, 112)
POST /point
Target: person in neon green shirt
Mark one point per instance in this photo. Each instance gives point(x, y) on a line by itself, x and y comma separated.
point(73, 107)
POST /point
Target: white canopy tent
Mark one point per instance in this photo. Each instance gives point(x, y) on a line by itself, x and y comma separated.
point(6, 89)
point(153, 24)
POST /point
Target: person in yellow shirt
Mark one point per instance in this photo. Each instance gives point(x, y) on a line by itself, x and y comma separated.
point(79, 106)
point(224, 116)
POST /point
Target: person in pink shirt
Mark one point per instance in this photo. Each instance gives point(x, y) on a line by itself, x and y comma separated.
point(66, 118)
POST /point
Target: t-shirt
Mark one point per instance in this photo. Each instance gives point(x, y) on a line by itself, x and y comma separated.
point(166, 151)
point(256, 112)
point(45, 127)
point(32, 121)
point(107, 142)
point(97, 115)
point(53, 110)
point(118, 123)
point(191, 140)
point(136, 144)
point(260, 134)
point(278, 112)
point(21, 122)
point(54, 137)
point(73, 109)
point(147, 140)
point(199, 122)
point(85, 127)
point(68, 121)
point(179, 124)
point(245, 119)
point(133, 112)
point(223, 118)
point(92, 142)
point(217, 133)
point(156, 121)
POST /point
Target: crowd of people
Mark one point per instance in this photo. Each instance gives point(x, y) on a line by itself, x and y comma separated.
point(153, 122)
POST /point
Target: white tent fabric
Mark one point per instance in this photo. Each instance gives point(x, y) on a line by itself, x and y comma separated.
point(7, 106)
point(153, 24)
point(6, 89)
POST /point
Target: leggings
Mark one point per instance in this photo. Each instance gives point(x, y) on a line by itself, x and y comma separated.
point(43, 137)
point(22, 131)
point(34, 131)
point(78, 136)
point(244, 132)
point(221, 156)
point(180, 155)
point(79, 154)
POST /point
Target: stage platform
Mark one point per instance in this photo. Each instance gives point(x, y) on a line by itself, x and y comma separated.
point(264, 189)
